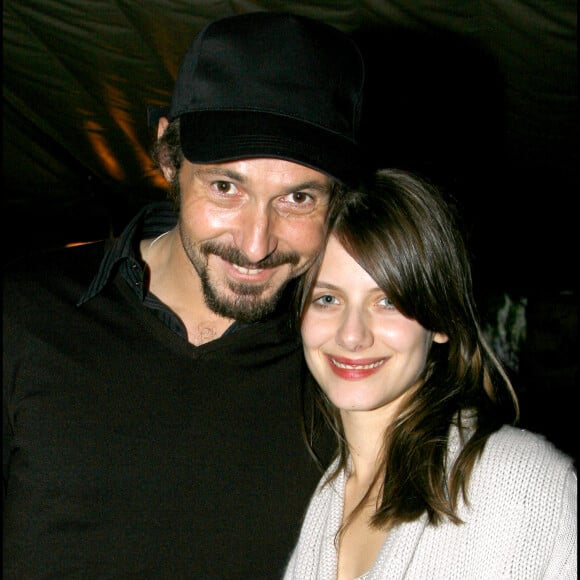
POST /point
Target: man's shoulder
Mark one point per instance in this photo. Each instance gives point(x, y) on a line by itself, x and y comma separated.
point(77, 264)
point(46, 259)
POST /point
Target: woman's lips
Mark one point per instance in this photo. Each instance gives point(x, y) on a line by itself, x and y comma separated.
point(355, 369)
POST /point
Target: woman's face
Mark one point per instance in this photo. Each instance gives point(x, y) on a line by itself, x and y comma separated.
point(362, 351)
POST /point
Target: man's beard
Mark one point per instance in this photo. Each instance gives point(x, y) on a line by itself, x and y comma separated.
point(248, 303)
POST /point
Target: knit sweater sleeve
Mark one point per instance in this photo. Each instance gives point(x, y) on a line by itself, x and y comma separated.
point(539, 481)
point(563, 561)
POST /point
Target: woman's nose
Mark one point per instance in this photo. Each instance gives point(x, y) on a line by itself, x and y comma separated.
point(355, 333)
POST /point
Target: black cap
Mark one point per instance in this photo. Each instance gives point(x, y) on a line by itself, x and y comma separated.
point(267, 84)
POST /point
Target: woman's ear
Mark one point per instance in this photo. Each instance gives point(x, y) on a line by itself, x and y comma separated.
point(440, 338)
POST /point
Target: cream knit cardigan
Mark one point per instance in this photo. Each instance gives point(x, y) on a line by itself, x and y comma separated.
point(521, 522)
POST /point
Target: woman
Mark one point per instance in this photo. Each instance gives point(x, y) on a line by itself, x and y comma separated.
point(431, 479)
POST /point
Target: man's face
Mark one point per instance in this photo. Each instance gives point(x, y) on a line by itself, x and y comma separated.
point(250, 226)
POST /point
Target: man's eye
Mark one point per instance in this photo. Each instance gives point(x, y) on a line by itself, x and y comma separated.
point(300, 197)
point(223, 186)
point(297, 202)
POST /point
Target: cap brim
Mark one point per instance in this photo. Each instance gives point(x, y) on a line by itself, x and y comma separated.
point(217, 136)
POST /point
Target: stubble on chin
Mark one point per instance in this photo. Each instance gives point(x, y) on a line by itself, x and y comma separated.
point(245, 303)
point(239, 301)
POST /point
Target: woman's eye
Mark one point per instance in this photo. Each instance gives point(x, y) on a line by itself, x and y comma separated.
point(325, 300)
point(386, 303)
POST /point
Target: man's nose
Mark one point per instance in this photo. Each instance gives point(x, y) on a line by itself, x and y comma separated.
point(256, 233)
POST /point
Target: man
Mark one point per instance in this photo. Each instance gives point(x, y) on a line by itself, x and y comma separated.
point(151, 384)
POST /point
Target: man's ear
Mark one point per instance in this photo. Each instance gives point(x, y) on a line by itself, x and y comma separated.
point(161, 126)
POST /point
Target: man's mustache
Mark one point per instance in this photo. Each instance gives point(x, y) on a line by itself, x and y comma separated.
point(235, 256)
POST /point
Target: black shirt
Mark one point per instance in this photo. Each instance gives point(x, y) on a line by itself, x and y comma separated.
point(131, 453)
point(151, 222)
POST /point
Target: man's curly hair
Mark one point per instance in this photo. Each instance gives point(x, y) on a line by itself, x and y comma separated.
point(166, 153)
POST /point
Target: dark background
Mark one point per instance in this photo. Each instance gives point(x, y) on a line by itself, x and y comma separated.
point(479, 96)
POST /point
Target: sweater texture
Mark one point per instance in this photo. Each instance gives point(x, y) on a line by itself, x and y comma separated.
point(520, 524)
